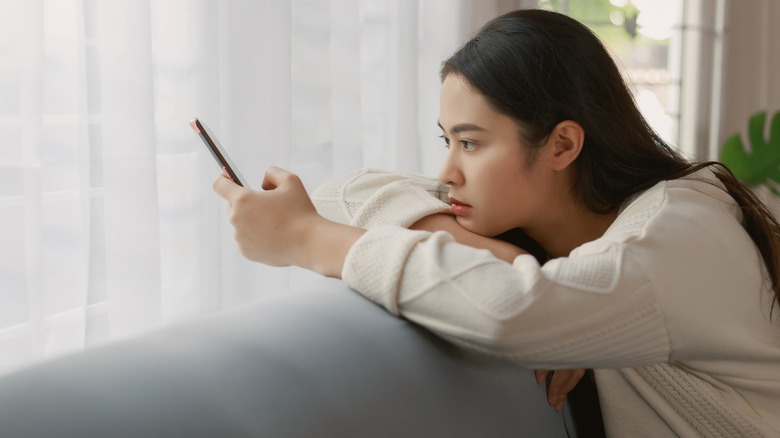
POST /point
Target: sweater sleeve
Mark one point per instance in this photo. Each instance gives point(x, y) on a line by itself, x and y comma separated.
point(371, 197)
point(594, 311)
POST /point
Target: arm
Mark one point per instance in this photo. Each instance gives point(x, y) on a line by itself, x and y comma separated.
point(593, 310)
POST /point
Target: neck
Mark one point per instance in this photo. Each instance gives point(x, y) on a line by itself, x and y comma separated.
point(571, 229)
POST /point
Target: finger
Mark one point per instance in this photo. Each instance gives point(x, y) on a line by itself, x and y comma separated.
point(555, 396)
point(225, 187)
point(274, 177)
point(573, 379)
point(225, 172)
point(563, 381)
point(540, 375)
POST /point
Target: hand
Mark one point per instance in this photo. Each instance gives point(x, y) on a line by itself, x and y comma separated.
point(444, 222)
point(561, 383)
point(269, 223)
point(279, 225)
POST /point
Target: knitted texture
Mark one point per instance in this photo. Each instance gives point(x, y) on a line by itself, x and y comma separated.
point(369, 198)
point(697, 402)
point(595, 272)
point(381, 286)
point(634, 216)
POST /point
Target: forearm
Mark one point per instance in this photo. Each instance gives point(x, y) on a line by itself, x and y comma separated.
point(444, 222)
point(371, 197)
point(325, 246)
point(511, 310)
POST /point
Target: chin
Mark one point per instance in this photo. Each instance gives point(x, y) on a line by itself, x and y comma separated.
point(482, 229)
point(475, 227)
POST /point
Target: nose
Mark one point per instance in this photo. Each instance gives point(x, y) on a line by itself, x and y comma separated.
point(450, 172)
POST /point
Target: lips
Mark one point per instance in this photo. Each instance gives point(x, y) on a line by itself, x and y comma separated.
point(459, 208)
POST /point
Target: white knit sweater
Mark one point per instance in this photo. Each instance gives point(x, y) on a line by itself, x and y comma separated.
point(670, 306)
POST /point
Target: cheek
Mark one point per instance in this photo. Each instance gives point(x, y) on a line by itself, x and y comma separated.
point(505, 198)
point(510, 184)
point(520, 201)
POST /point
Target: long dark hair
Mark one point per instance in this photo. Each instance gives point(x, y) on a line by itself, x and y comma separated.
point(541, 68)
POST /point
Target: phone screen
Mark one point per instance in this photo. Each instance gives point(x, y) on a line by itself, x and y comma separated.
point(218, 152)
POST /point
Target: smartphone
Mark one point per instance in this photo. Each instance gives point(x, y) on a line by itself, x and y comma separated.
point(218, 152)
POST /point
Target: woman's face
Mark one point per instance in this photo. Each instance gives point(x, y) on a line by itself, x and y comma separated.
point(493, 186)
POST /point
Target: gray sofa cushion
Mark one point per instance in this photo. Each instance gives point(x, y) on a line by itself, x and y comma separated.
point(321, 361)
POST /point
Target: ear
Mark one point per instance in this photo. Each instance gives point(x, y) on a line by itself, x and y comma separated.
point(565, 144)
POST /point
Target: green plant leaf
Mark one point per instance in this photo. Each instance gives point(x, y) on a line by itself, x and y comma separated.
point(762, 164)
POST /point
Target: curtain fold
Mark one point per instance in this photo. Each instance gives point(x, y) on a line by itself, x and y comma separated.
point(108, 224)
point(130, 189)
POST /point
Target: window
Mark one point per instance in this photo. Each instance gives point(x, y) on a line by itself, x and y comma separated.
point(671, 54)
point(643, 36)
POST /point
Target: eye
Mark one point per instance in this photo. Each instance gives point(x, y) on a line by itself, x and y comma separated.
point(468, 146)
point(446, 141)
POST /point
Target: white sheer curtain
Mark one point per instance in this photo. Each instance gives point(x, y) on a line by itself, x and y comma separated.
point(108, 224)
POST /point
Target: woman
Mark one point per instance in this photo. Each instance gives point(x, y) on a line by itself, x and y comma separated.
point(662, 274)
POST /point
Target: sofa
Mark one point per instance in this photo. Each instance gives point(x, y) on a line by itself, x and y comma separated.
point(321, 361)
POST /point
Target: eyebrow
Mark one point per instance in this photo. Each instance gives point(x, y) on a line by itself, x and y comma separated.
point(463, 127)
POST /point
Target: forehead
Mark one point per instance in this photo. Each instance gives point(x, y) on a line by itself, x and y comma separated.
point(461, 103)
